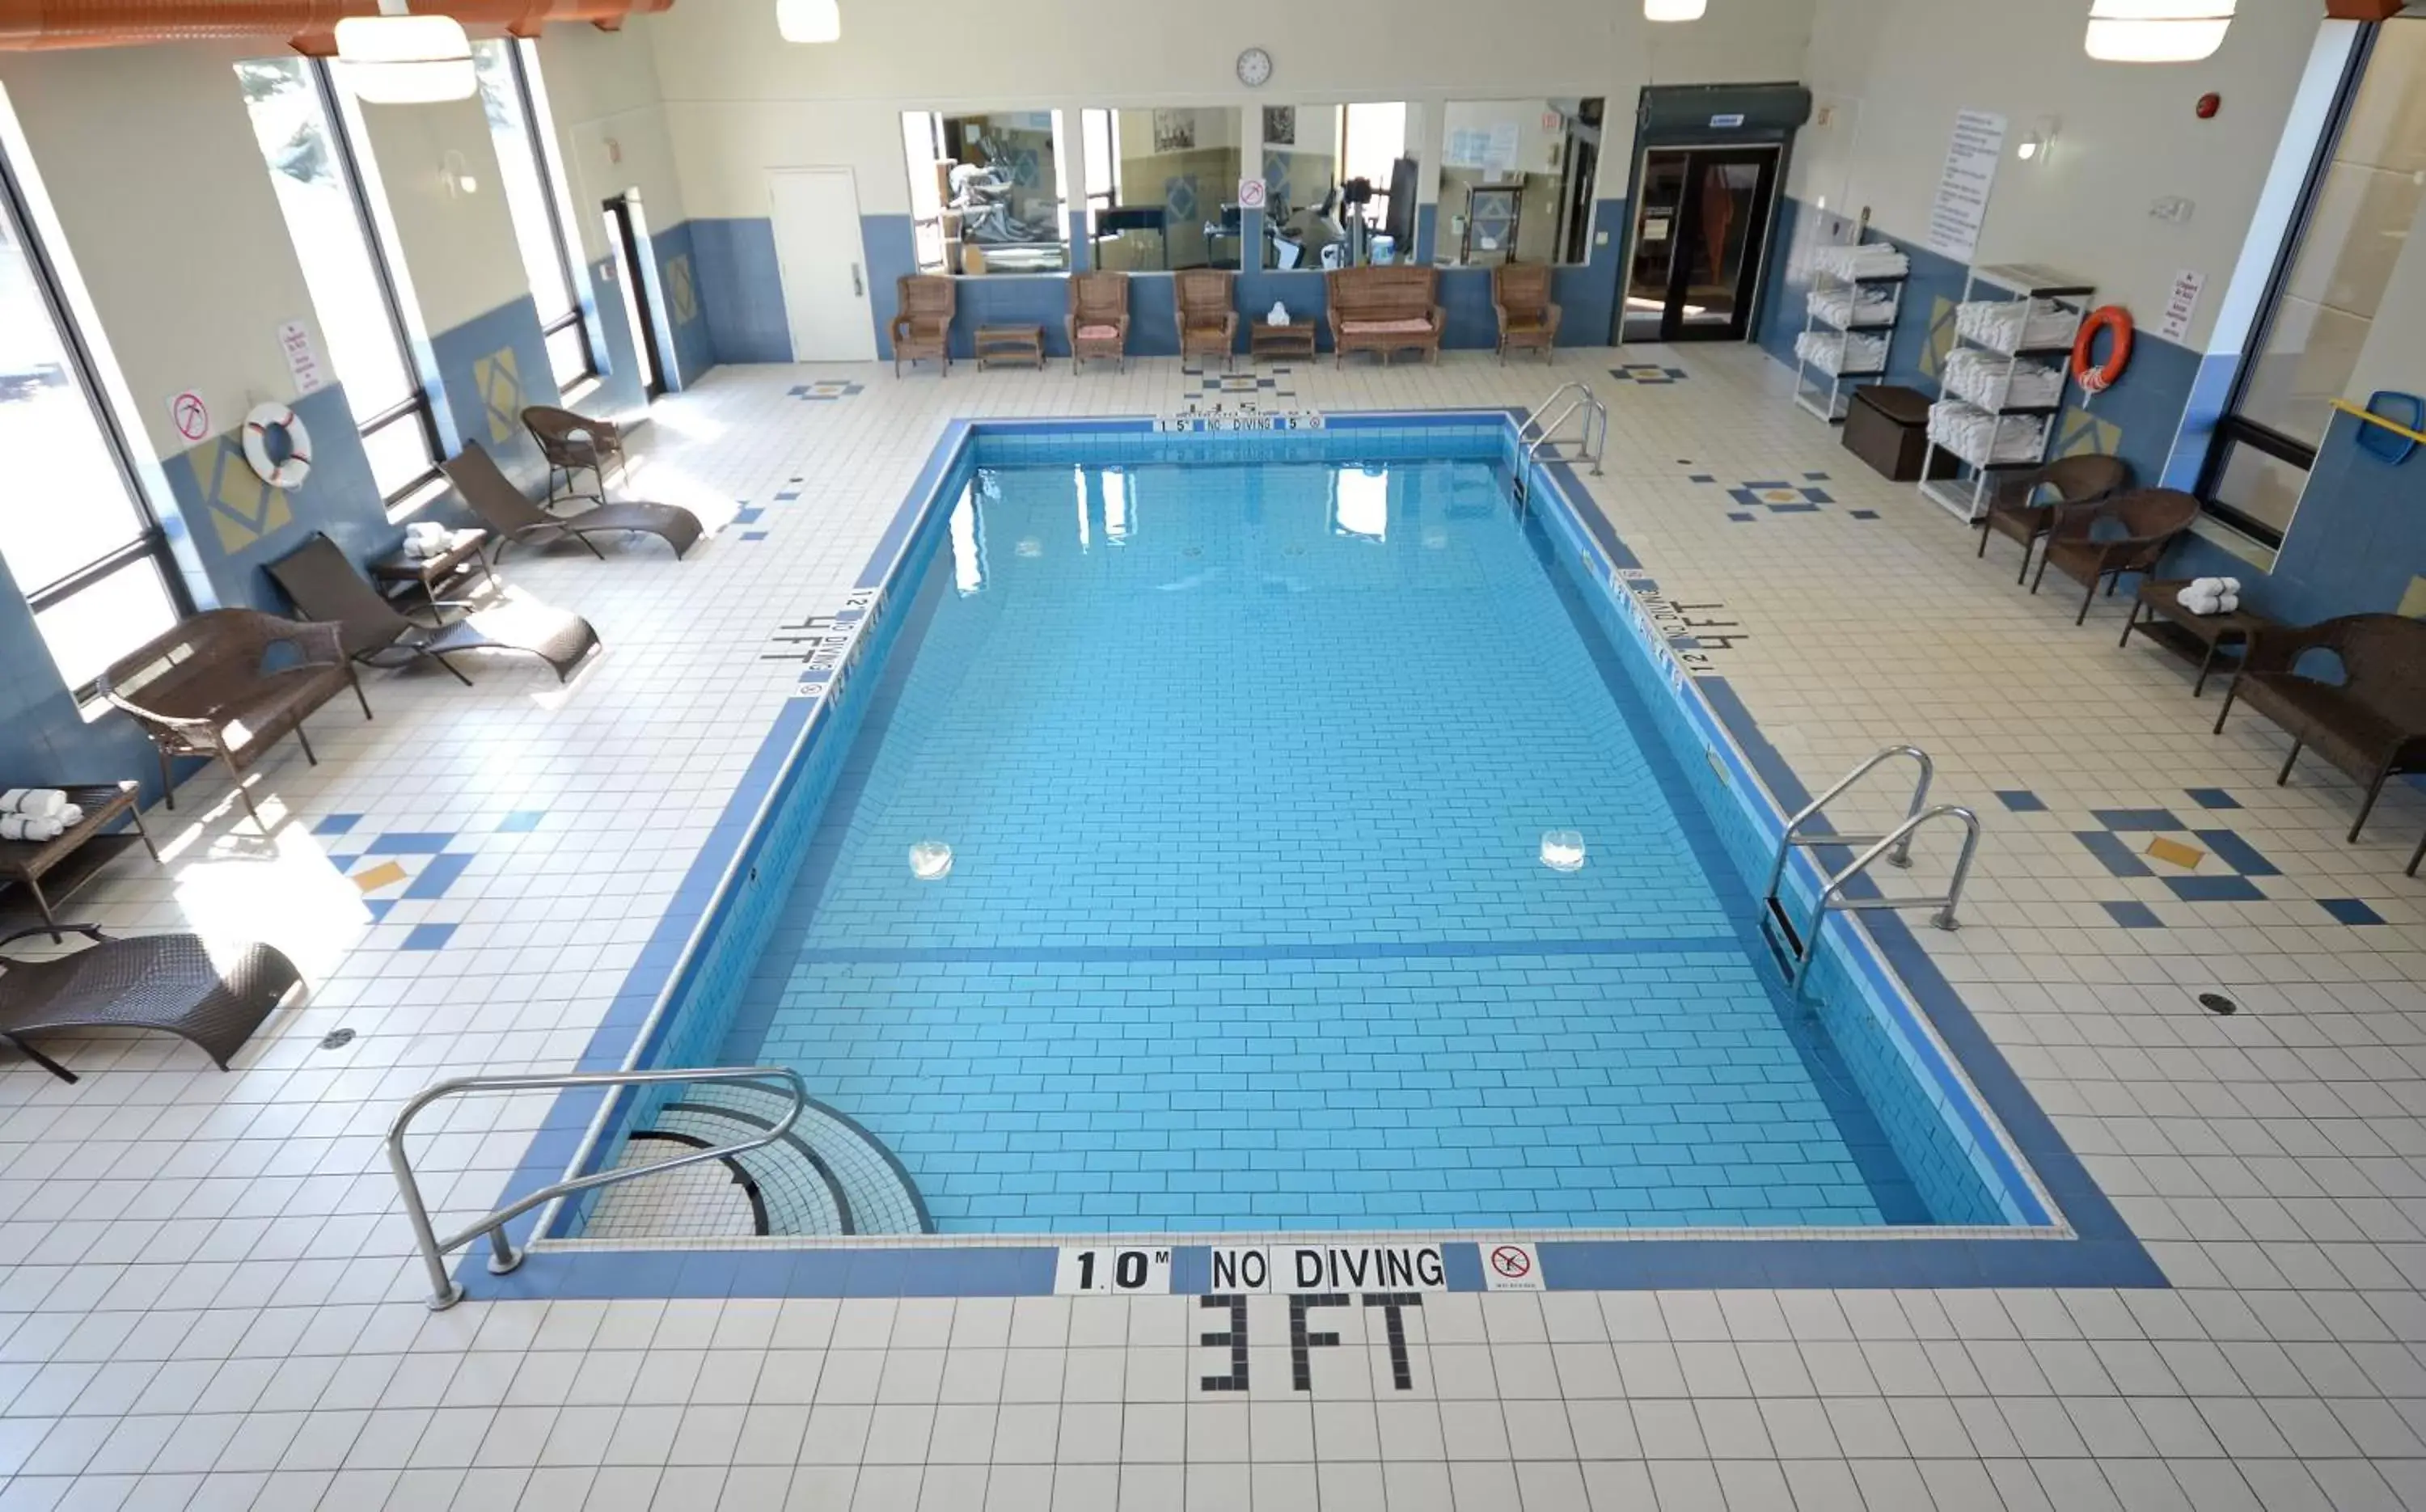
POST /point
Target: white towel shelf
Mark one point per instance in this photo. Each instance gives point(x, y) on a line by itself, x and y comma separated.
point(1818, 389)
point(2066, 302)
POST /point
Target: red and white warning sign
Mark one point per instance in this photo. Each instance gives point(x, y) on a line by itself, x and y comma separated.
point(1512, 1267)
point(191, 416)
point(1250, 194)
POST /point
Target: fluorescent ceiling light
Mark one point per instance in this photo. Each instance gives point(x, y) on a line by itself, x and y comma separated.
point(396, 60)
point(1674, 9)
point(809, 20)
point(2156, 31)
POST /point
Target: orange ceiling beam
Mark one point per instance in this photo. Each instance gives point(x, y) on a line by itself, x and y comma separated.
point(304, 25)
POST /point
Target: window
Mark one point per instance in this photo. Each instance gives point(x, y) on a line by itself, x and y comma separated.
point(1329, 172)
point(2364, 202)
point(1517, 181)
point(73, 529)
point(353, 292)
point(1162, 188)
point(509, 79)
point(985, 192)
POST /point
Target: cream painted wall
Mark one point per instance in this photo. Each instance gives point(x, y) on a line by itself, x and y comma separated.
point(457, 245)
point(149, 158)
point(610, 125)
point(1892, 73)
point(739, 100)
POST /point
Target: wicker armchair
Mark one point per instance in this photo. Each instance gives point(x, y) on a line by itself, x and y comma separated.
point(2014, 511)
point(1520, 295)
point(2372, 724)
point(1099, 317)
point(573, 444)
point(227, 683)
point(923, 327)
point(2100, 543)
point(1208, 313)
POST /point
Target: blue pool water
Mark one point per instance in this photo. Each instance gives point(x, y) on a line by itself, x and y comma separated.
point(1245, 773)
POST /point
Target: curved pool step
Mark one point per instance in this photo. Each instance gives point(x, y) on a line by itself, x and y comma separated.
point(712, 1198)
point(829, 1176)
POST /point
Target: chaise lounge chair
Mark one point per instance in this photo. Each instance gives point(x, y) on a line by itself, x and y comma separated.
point(574, 443)
point(326, 587)
point(166, 982)
point(501, 506)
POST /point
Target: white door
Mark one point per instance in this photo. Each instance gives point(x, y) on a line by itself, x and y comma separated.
point(817, 248)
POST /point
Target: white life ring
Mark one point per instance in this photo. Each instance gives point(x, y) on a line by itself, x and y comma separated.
point(286, 471)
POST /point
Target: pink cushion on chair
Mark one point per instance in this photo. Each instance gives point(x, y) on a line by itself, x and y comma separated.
point(1410, 327)
point(1099, 333)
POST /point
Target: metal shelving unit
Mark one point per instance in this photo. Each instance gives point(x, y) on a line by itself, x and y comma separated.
point(1965, 494)
point(1819, 391)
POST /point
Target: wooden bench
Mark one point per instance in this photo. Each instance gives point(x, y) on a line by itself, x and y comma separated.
point(1384, 310)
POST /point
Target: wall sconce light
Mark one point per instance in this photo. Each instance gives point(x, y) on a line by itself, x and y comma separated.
point(2037, 141)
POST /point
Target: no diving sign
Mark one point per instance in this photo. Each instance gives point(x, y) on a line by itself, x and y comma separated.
point(1512, 1267)
point(191, 416)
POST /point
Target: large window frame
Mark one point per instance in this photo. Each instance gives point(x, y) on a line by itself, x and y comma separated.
point(340, 113)
point(149, 546)
point(2233, 429)
point(530, 100)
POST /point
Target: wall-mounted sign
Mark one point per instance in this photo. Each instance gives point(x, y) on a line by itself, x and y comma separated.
point(1250, 194)
point(191, 415)
point(1963, 186)
point(1727, 122)
point(303, 362)
point(2181, 305)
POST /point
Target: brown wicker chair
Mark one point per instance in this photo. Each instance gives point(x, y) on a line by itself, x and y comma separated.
point(1384, 310)
point(164, 981)
point(2372, 724)
point(2101, 542)
point(1520, 295)
point(1208, 312)
point(923, 329)
point(2014, 511)
point(227, 683)
point(573, 444)
point(1099, 317)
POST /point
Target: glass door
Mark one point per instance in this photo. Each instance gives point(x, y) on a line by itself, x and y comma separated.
point(1700, 242)
point(624, 234)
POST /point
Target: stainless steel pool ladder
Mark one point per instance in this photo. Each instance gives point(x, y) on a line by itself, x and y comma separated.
point(502, 1256)
point(1796, 947)
point(1537, 432)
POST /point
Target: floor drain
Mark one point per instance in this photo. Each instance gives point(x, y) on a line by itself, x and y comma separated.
point(336, 1039)
point(2218, 1003)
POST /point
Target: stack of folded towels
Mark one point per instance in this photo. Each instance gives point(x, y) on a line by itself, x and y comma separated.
point(1865, 260)
point(38, 814)
point(1844, 307)
point(2211, 595)
point(425, 538)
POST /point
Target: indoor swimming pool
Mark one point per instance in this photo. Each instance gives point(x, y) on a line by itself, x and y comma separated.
point(1199, 845)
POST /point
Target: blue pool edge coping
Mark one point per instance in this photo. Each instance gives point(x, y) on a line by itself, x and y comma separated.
point(2098, 1250)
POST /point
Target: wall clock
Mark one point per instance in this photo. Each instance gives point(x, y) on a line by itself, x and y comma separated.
point(1254, 68)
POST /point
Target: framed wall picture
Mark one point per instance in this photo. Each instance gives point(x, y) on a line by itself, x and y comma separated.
point(1175, 131)
point(1279, 125)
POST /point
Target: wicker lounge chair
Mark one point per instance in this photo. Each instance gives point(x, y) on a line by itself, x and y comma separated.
point(226, 684)
point(501, 506)
point(1208, 313)
point(1384, 310)
point(1098, 322)
point(923, 327)
point(574, 443)
point(2372, 724)
point(326, 587)
point(2101, 542)
point(164, 981)
point(1520, 295)
point(2014, 511)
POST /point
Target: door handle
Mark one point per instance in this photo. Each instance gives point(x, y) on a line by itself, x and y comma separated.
point(858, 290)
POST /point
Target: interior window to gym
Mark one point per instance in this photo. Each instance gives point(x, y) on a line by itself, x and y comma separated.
point(1517, 181)
point(1339, 186)
point(1162, 188)
point(985, 192)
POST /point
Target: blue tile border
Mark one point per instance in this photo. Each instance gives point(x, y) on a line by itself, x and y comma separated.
point(2100, 1249)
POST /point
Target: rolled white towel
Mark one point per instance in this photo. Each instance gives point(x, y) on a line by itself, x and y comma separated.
point(70, 816)
point(23, 827)
point(36, 802)
point(2200, 600)
point(2231, 585)
point(2229, 604)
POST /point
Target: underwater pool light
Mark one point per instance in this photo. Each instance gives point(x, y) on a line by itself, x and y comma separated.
point(930, 861)
point(1562, 850)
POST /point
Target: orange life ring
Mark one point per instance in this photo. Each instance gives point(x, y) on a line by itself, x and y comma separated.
point(2095, 379)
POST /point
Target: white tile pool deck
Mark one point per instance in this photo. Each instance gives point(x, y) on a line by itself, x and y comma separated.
point(208, 1296)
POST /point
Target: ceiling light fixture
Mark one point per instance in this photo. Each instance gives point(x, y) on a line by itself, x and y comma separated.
point(2156, 31)
point(1674, 9)
point(809, 20)
point(398, 58)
